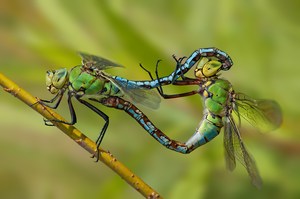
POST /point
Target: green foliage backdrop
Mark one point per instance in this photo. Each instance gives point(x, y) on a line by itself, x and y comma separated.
point(262, 37)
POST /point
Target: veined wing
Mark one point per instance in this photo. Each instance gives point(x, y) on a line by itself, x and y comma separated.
point(96, 62)
point(144, 96)
point(235, 148)
point(264, 114)
point(229, 147)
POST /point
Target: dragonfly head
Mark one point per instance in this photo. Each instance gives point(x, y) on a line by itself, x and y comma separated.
point(207, 68)
point(56, 79)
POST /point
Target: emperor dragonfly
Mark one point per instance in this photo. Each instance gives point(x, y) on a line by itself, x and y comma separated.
point(220, 100)
point(89, 82)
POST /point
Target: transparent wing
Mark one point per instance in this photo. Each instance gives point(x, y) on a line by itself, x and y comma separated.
point(235, 148)
point(229, 147)
point(264, 114)
point(137, 94)
point(144, 96)
point(96, 62)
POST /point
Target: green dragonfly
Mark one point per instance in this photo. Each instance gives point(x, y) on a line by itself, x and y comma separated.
point(88, 81)
point(220, 101)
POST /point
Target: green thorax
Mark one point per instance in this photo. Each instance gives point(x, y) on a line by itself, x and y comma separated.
point(88, 82)
point(217, 98)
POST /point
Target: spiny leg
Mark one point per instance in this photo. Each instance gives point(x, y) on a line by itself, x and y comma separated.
point(71, 109)
point(184, 82)
point(47, 103)
point(142, 119)
point(72, 114)
point(147, 71)
point(103, 115)
point(150, 74)
point(178, 67)
point(104, 128)
point(187, 81)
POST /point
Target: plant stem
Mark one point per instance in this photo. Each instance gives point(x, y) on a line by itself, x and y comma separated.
point(104, 156)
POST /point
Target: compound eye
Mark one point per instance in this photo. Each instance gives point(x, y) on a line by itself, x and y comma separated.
point(202, 62)
point(59, 78)
point(211, 68)
point(49, 76)
point(56, 79)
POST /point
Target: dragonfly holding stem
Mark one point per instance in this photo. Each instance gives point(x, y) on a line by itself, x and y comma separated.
point(88, 81)
point(220, 101)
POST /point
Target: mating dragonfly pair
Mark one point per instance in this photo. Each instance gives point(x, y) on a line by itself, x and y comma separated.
point(88, 81)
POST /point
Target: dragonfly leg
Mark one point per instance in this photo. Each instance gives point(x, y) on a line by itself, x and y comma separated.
point(166, 96)
point(47, 103)
point(176, 82)
point(104, 128)
point(178, 68)
point(72, 113)
point(142, 119)
point(188, 81)
point(103, 115)
point(150, 75)
point(147, 71)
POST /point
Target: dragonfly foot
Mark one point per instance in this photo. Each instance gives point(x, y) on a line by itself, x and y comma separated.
point(48, 122)
point(96, 155)
point(38, 101)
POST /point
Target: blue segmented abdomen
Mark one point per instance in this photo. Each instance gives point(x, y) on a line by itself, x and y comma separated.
point(143, 84)
point(188, 64)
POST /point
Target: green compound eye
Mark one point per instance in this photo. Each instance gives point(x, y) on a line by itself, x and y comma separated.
point(59, 78)
point(49, 76)
point(207, 68)
point(56, 79)
point(211, 68)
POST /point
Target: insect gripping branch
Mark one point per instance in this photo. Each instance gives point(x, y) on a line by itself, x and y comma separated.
point(81, 139)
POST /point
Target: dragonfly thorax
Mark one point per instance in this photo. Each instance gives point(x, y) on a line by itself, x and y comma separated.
point(217, 96)
point(56, 79)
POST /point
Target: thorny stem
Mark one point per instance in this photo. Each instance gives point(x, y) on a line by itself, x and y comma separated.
point(104, 156)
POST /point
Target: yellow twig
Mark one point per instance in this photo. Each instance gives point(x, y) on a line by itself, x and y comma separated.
point(86, 143)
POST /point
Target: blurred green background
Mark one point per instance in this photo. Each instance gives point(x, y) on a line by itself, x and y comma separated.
point(262, 38)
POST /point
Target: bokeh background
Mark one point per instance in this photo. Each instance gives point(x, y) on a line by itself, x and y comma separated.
point(262, 38)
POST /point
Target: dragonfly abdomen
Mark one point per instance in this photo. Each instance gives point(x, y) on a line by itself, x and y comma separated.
point(181, 68)
point(216, 95)
point(208, 129)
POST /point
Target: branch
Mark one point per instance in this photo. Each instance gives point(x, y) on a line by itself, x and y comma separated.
point(106, 157)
